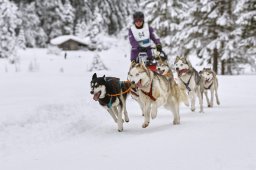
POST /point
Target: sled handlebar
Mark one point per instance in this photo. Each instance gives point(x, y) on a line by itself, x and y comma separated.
point(144, 49)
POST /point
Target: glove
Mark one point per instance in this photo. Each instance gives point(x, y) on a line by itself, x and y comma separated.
point(159, 47)
point(142, 49)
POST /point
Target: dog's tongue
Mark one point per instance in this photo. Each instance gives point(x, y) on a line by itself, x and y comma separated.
point(182, 71)
point(139, 84)
point(161, 72)
point(96, 96)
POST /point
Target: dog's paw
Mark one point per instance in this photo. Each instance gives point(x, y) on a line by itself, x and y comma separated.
point(218, 103)
point(120, 130)
point(176, 122)
point(186, 104)
point(210, 105)
point(193, 109)
point(144, 125)
point(153, 115)
point(126, 120)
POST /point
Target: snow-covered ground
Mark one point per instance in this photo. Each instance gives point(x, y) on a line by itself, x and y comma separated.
point(48, 121)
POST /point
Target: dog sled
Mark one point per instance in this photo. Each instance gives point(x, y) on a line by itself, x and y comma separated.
point(151, 64)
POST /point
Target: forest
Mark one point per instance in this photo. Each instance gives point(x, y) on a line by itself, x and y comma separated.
point(221, 33)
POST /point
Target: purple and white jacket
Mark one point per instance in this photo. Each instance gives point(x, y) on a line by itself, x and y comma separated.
point(141, 38)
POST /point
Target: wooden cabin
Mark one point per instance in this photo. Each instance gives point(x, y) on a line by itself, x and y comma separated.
point(69, 42)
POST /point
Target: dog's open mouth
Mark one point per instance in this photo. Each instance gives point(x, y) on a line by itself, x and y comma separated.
point(208, 80)
point(139, 85)
point(182, 71)
point(96, 96)
point(161, 72)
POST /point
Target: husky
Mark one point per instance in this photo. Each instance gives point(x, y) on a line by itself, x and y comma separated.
point(211, 84)
point(190, 79)
point(111, 93)
point(154, 91)
point(164, 69)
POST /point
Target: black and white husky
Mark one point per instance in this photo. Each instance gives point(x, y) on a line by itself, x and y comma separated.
point(111, 93)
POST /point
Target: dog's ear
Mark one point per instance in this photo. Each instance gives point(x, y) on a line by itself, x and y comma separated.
point(104, 78)
point(177, 59)
point(143, 65)
point(133, 63)
point(94, 76)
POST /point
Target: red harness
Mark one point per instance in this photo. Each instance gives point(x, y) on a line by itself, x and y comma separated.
point(149, 94)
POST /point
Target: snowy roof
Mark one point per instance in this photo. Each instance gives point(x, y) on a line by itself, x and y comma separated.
point(61, 39)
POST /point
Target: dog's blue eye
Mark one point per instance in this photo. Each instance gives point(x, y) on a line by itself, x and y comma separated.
point(137, 74)
point(181, 64)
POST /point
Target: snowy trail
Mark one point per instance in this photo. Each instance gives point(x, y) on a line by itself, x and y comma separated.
point(50, 122)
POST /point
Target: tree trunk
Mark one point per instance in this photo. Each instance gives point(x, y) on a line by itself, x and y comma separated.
point(215, 60)
point(223, 65)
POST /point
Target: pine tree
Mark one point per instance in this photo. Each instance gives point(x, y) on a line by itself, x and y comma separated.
point(34, 34)
point(167, 17)
point(97, 64)
point(21, 42)
point(68, 18)
point(81, 29)
point(113, 13)
point(9, 21)
point(50, 13)
point(246, 31)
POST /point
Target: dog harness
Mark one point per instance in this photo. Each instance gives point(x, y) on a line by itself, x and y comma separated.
point(187, 84)
point(109, 105)
point(149, 94)
point(207, 88)
point(134, 92)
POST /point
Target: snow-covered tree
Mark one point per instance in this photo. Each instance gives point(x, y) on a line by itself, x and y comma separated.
point(68, 18)
point(34, 34)
point(208, 32)
point(50, 13)
point(81, 29)
point(97, 64)
point(167, 17)
point(21, 42)
point(9, 21)
point(246, 31)
point(114, 14)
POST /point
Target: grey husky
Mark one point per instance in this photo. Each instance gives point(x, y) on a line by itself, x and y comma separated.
point(190, 79)
point(154, 91)
point(210, 84)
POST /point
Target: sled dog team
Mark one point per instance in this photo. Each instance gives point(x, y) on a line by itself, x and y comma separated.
point(152, 89)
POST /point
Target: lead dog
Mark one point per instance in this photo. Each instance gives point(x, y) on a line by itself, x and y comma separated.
point(190, 79)
point(111, 93)
point(210, 84)
point(154, 91)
